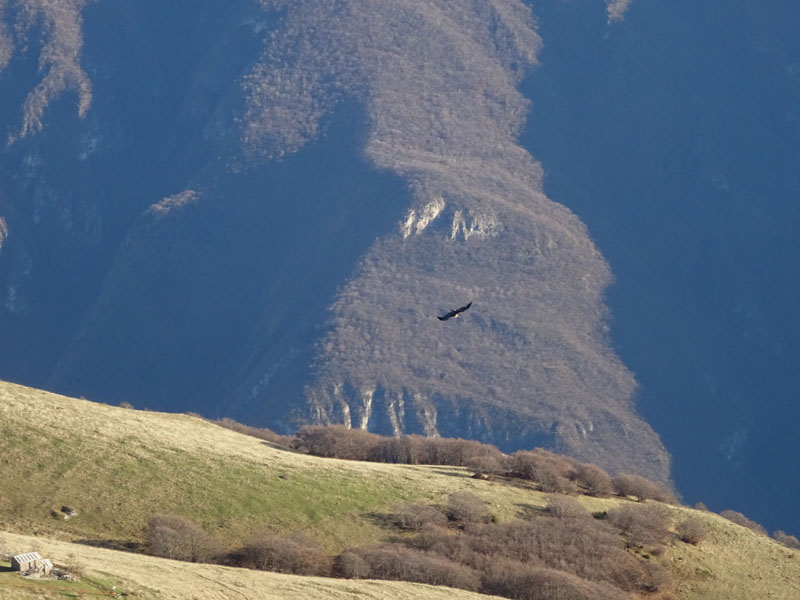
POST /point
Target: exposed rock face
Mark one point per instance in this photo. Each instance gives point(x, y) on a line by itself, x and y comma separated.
point(267, 225)
point(531, 361)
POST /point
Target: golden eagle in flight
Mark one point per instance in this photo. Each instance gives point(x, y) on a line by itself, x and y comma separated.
point(454, 313)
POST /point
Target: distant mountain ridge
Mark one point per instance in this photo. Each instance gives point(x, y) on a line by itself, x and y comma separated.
point(219, 261)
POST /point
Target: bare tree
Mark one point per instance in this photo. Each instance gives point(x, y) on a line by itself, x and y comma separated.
point(740, 519)
point(295, 553)
point(641, 524)
point(466, 507)
point(786, 539)
point(172, 536)
point(643, 489)
point(691, 530)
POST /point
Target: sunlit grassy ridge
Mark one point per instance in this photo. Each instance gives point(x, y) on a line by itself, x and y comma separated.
point(116, 467)
point(149, 578)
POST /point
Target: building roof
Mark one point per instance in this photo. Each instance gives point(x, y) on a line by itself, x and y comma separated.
point(27, 557)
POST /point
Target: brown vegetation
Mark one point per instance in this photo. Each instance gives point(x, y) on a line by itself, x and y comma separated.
point(626, 484)
point(551, 471)
point(416, 517)
point(393, 561)
point(691, 530)
point(568, 554)
point(523, 582)
point(565, 507)
point(594, 480)
point(172, 536)
point(561, 552)
point(740, 519)
point(787, 540)
point(641, 524)
point(465, 508)
point(297, 554)
point(338, 441)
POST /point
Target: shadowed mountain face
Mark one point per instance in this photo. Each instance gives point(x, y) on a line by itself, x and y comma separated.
point(258, 209)
point(675, 137)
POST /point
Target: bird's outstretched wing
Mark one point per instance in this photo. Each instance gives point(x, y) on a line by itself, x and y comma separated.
point(454, 313)
point(463, 308)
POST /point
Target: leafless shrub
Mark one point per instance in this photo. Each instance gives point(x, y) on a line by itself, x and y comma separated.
point(583, 547)
point(408, 449)
point(395, 562)
point(626, 484)
point(172, 536)
point(456, 451)
point(784, 538)
point(701, 506)
point(351, 565)
point(740, 519)
point(657, 576)
point(691, 530)
point(523, 582)
point(570, 542)
point(641, 524)
point(486, 465)
point(466, 507)
point(297, 554)
point(449, 544)
point(623, 570)
point(416, 517)
point(551, 471)
point(125, 404)
point(565, 507)
point(594, 480)
point(337, 441)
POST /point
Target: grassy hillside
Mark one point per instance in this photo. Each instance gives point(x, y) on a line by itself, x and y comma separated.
point(149, 578)
point(116, 467)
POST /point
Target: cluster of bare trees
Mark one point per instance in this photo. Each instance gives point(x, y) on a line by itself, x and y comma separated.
point(778, 535)
point(552, 472)
point(562, 551)
point(176, 537)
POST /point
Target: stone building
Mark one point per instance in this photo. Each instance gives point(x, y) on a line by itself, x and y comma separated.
point(31, 561)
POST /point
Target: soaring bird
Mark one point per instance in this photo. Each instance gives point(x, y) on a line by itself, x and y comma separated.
point(454, 313)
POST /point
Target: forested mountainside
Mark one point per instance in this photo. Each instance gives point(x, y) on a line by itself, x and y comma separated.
point(676, 138)
point(258, 208)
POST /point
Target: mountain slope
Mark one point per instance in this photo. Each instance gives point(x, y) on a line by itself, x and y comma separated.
point(115, 467)
point(149, 578)
point(266, 224)
point(674, 135)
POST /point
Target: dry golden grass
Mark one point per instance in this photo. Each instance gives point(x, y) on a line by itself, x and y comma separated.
point(733, 562)
point(117, 467)
point(147, 577)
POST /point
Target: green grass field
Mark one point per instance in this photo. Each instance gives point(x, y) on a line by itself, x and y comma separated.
point(116, 467)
